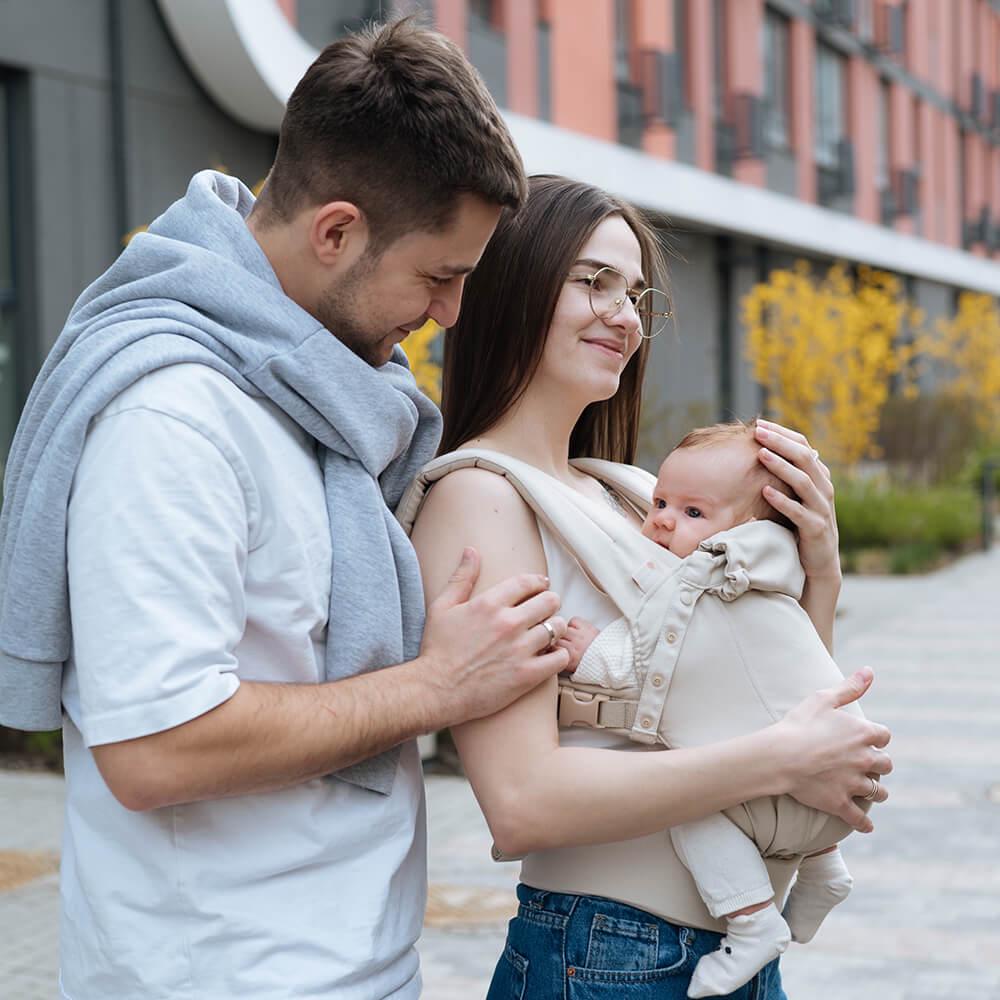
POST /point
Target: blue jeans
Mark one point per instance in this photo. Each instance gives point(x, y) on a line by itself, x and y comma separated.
point(563, 947)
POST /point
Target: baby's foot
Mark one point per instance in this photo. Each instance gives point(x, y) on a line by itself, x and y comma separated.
point(752, 940)
point(823, 882)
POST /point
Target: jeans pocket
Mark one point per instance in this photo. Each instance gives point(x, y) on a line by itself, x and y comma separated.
point(624, 952)
point(622, 945)
point(511, 977)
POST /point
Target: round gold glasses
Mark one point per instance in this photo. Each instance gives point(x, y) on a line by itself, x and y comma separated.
point(609, 290)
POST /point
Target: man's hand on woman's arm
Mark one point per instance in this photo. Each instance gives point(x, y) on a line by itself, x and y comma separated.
point(478, 655)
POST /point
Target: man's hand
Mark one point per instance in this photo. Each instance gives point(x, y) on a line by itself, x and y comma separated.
point(483, 652)
point(579, 635)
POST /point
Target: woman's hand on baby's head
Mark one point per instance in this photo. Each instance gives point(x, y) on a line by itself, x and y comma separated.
point(579, 635)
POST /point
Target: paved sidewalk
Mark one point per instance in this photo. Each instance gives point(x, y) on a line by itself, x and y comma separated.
point(923, 922)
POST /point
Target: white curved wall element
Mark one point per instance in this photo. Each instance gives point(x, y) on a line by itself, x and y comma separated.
point(249, 58)
point(244, 53)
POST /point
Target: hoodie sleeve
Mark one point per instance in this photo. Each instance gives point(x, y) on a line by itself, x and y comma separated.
point(157, 546)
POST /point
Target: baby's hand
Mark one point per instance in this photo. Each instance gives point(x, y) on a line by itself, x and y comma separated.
point(579, 635)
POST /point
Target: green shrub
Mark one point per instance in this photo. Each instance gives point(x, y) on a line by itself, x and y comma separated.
point(934, 520)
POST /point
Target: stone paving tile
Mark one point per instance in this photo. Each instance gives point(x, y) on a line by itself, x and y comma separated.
point(923, 922)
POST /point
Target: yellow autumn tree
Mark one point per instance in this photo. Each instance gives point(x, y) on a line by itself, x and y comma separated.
point(419, 350)
point(966, 348)
point(826, 348)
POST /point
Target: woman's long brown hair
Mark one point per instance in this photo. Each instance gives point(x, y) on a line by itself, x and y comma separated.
point(493, 352)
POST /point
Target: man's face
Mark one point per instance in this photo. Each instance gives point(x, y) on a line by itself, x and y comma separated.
point(376, 304)
point(699, 492)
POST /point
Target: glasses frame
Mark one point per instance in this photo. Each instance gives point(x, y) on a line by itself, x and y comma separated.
point(620, 303)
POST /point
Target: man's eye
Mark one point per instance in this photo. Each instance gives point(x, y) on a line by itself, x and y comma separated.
point(434, 280)
point(692, 512)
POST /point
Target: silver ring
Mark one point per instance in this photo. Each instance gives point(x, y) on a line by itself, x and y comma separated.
point(870, 797)
point(552, 634)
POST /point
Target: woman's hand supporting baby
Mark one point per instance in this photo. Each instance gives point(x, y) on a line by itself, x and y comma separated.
point(831, 752)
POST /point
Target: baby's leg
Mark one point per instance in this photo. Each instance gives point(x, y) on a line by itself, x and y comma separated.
point(823, 881)
point(733, 881)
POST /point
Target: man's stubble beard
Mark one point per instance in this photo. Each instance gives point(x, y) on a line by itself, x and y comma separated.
point(341, 312)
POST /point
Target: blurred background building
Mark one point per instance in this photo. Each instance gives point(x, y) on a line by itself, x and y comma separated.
point(757, 132)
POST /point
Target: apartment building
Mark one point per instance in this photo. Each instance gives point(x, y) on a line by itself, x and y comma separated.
point(755, 132)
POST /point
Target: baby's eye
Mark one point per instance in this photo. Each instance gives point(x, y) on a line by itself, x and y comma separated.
point(659, 504)
point(692, 512)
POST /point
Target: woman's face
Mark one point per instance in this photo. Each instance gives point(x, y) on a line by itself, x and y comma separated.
point(583, 354)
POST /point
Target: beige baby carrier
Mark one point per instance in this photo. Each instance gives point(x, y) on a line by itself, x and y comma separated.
point(735, 667)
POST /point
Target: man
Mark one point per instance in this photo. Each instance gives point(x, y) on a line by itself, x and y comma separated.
point(222, 429)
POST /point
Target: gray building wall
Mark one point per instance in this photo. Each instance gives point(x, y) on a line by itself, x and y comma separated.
point(682, 385)
point(68, 224)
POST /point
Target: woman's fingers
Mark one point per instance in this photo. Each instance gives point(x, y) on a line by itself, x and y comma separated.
point(800, 455)
point(814, 490)
point(770, 425)
point(851, 688)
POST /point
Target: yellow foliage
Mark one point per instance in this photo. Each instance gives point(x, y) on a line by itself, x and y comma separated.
point(418, 346)
point(826, 349)
point(967, 346)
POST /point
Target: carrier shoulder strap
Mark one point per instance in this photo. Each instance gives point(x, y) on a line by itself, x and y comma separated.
point(609, 550)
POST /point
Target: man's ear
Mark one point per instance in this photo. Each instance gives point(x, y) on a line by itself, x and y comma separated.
point(338, 233)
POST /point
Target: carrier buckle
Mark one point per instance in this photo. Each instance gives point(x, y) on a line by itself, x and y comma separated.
point(579, 708)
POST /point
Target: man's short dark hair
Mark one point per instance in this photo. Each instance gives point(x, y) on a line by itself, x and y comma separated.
point(396, 120)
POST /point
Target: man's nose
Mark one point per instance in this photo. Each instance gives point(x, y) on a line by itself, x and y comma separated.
point(445, 305)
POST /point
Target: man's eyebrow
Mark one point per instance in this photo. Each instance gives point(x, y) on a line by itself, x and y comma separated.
point(639, 282)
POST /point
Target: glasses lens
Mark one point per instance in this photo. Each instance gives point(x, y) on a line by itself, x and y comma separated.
point(655, 311)
point(608, 292)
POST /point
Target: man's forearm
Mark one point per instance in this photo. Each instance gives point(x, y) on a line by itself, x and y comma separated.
point(270, 736)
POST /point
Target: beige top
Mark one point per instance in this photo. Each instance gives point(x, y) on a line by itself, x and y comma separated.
point(644, 872)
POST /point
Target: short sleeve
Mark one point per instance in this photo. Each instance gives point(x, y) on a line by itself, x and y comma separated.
point(157, 542)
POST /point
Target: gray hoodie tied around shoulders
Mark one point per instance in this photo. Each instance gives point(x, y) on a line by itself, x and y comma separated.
point(198, 288)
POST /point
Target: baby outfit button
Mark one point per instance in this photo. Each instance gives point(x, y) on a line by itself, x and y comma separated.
point(671, 637)
point(646, 723)
point(657, 681)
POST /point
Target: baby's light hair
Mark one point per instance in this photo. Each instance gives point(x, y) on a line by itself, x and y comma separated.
point(758, 477)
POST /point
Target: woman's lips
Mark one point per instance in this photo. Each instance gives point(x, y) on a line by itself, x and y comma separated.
point(606, 347)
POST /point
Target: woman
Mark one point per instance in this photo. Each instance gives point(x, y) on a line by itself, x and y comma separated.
point(535, 371)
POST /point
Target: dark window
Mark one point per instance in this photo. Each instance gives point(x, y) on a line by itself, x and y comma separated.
point(776, 77)
point(830, 105)
point(631, 123)
point(720, 74)
point(9, 396)
point(681, 48)
point(884, 127)
point(623, 41)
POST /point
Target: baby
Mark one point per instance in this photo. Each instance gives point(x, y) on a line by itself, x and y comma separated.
point(711, 482)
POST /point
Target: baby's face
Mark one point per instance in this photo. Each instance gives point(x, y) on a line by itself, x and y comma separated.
point(699, 492)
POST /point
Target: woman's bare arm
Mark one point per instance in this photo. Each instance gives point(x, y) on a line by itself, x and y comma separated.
point(536, 794)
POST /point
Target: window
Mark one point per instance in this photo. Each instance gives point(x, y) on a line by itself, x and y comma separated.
point(681, 48)
point(721, 88)
point(776, 76)
point(882, 156)
point(623, 41)
point(9, 397)
point(830, 105)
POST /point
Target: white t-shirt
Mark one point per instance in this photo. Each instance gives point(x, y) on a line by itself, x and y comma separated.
point(199, 555)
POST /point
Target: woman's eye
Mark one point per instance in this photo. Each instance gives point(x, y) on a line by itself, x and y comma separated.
point(692, 512)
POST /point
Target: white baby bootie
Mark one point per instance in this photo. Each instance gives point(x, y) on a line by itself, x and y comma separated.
point(823, 882)
point(752, 940)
